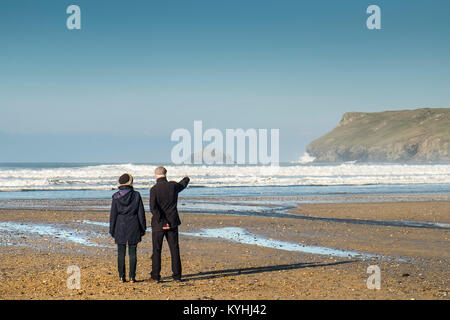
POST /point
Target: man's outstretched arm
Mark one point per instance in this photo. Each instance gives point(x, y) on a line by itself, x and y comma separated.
point(183, 184)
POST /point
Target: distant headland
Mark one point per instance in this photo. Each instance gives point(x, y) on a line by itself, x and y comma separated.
point(420, 135)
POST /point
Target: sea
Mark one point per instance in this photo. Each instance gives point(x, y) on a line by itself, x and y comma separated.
point(224, 188)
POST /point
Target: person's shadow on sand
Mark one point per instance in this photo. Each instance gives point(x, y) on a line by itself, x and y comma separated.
point(252, 270)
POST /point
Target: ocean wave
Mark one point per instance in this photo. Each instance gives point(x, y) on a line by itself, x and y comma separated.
point(104, 177)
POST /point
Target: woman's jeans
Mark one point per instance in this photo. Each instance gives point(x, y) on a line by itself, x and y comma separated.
point(121, 251)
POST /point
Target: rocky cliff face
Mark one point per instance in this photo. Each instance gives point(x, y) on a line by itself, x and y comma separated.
point(421, 135)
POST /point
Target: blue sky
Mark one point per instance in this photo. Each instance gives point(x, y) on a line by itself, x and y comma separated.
point(137, 70)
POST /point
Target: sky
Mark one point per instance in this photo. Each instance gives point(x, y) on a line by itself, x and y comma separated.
point(116, 89)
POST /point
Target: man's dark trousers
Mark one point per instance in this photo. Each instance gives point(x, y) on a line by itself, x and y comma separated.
point(172, 238)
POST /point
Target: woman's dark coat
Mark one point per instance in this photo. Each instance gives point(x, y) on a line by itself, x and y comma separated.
point(127, 219)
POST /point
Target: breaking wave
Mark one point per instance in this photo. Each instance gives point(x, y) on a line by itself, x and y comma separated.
point(104, 177)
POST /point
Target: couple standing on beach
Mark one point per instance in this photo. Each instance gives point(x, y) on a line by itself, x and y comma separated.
point(127, 223)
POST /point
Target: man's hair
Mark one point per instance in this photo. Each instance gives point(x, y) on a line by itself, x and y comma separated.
point(160, 171)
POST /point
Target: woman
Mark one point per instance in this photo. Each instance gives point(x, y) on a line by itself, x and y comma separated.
point(127, 224)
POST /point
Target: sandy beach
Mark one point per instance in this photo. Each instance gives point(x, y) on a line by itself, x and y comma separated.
point(265, 261)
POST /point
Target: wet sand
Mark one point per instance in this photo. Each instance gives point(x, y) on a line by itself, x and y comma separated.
point(414, 262)
point(431, 211)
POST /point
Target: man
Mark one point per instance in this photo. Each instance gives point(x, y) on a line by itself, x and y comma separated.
point(165, 222)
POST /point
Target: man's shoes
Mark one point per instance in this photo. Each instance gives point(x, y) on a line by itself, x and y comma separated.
point(122, 279)
point(151, 280)
point(177, 280)
point(133, 280)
